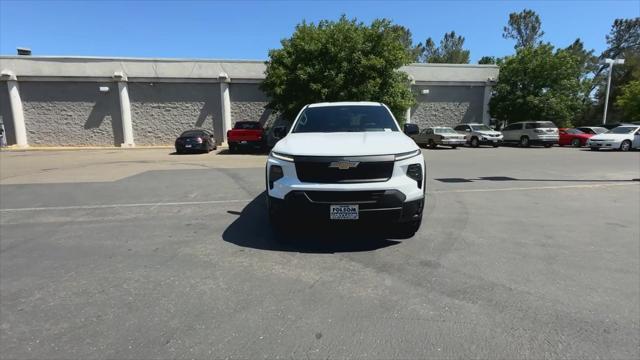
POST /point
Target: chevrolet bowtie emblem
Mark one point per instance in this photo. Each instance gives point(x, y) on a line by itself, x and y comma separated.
point(344, 164)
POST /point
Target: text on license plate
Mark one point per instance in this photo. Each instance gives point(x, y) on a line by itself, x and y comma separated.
point(343, 212)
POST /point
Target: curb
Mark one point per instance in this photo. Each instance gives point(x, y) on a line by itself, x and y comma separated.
point(74, 148)
point(13, 148)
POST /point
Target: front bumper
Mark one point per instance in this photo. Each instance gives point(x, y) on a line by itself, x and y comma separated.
point(452, 142)
point(604, 144)
point(398, 181)
point(374, 206)
point(490, 140)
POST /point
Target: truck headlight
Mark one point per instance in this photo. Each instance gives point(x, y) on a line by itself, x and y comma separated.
point(414, 171)
point(407, 155)
point(275, 173)
point(279, 156)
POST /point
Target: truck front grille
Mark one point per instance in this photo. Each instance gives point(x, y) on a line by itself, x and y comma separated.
point(320, 169)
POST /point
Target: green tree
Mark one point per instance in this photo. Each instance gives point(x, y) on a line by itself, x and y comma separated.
point(342, 60)
point(588, 79)
point(525, 27)
point(487, 60)
point(407, 40)
point(450, 51)
point(624, 36)
point(538, 84)
point(624, 43)
point(629, 101)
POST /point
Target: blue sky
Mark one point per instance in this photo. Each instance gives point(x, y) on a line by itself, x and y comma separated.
point(248, 29)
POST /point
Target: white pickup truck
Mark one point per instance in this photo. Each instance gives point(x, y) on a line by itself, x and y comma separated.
point(346, 161)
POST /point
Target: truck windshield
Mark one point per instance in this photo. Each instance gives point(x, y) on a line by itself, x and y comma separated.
point(354, 118)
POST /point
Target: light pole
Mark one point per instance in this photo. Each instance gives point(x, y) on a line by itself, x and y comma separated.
point(611, 62)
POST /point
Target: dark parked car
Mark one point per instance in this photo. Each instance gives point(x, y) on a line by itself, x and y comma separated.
point(196, 140)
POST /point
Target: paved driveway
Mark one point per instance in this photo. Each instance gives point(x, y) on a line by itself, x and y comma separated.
point(524, 253)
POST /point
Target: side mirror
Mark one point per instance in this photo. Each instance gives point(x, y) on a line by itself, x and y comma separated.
point(279, 132)
point(411, 129)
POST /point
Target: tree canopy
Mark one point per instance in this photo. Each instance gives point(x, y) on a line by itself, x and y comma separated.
point(342, 60)
point(538, 84)
point(624, 36)
point(487, 60)
point(450, 51)
point(629, 101)
point(624, 43)
point(525, 27)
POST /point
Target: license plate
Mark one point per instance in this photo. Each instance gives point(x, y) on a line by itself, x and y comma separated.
point(188, 146)
point(243, 142)
point(343, 212)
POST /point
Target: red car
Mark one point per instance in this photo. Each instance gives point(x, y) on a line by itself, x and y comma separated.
point(573, 137)
point(246, 134)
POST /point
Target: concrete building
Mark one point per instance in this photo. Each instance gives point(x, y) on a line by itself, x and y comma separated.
point(85, 101)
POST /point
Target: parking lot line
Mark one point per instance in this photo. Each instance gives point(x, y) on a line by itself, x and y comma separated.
point(211, 202)
point(108, 206)
point(581, 186)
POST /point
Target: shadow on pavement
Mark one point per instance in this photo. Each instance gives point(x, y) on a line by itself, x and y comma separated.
point(252, 229)
point(507, 178)
point(243, 152)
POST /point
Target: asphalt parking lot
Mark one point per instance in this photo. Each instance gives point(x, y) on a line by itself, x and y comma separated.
point(523, 253)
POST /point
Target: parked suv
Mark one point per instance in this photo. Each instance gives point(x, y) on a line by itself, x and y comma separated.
point(345, 162)
point(479, 134)
point(528, 133)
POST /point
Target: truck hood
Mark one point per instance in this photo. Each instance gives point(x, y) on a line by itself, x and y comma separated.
point(345, 144)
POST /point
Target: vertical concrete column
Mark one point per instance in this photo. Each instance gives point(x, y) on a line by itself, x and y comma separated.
point(407, 115)
point(486, 118)
point(225, 104)
point(16, 108)
point(125, 109)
